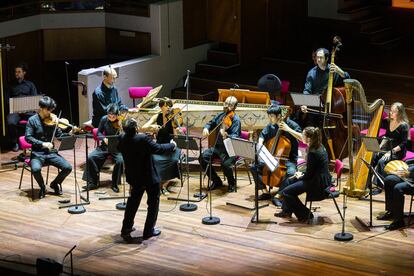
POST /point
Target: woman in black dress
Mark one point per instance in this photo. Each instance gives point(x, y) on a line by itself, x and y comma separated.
point(395, 139)
point(167, 164)
point(314, 181)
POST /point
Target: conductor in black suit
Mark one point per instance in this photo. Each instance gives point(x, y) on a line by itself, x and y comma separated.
point(137, 151)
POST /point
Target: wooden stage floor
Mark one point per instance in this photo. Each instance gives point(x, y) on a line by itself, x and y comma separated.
point(235, 246)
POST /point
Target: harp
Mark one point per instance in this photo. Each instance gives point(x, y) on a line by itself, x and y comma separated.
point(367, 116)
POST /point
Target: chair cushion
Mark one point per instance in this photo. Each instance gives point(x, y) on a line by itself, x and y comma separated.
point(139, 92)
point(408, 156)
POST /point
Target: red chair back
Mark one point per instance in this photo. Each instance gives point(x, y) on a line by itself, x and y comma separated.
point(244, 135)
point(24, 145)
point(139, 92)
point(338, 168)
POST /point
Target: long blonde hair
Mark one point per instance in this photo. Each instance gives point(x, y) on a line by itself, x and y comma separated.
point(401, 115)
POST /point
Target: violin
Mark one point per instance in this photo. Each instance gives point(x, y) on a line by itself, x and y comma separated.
point(61, 123)
point(174, 115)
point(228, 119)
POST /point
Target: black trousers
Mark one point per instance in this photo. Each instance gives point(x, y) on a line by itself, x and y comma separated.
point(39, 159)
point(153, 202)
point(292, 203)
point(395, 189)
point(96, 159)
point(226, 164)
point(13, 120)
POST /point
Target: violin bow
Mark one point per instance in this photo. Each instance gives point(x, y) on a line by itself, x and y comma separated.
point(56, 126)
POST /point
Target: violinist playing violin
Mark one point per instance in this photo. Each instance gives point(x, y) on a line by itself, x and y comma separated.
point(165, 124)
point(277, 122)
point(40, 135)
point(229, 126)
point(109, 125)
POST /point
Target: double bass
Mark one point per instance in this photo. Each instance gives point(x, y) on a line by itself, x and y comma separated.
point(280, 147)
point(334, 129)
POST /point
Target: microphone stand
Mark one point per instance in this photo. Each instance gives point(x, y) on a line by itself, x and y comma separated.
point(344, 236)
point(210, 220)
point(67, 84)
point(187, 207)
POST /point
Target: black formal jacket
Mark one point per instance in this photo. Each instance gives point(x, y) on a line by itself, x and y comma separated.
point(317, 177)
point(137, 151)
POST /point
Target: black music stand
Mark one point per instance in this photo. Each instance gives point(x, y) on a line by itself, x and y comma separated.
point(68, 143)
point(252, 151)
point(372, 145)
point(181, 141)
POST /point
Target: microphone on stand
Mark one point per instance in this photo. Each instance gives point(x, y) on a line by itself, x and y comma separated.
point(69, 97)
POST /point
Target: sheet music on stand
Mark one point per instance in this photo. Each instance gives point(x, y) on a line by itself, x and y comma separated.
point(372, 144)
point(245, 149)
point(306, 99)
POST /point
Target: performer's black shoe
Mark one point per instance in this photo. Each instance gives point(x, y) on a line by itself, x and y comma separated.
point(395, 225)
point(386, 216)
point(231, 188)
point(115, 188)
point(306, 219)
point(215, 185)
point(42, 192)
point(155, 232)
point(90, 186)
point(277, 202)
point(264, 196)
point(126, 235)
point(57, 188)
point(283, 214)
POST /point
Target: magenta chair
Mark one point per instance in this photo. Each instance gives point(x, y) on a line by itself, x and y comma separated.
point(409, 156)
point(284, 91)
point(25, 146)
point(138, 92)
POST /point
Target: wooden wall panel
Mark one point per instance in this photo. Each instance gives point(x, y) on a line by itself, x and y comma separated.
point(288, 29)
point(254, 26)
point(74, 44)
point(195, 22)
point(224, 21)
point(127, 43)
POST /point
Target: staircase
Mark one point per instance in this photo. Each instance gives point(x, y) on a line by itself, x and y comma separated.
point(371, 19)
point(222, 60)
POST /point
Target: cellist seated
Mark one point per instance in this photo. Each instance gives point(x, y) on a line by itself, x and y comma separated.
point(287, 146)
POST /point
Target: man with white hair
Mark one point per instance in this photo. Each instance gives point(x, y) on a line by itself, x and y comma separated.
point(228, 125)
point(104, 95)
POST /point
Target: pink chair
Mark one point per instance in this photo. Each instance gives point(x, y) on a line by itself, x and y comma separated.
point(138, 92)
point(381, 131)
point(338, 171)
point(284, 91)
point(25, 159)
point(409, 156)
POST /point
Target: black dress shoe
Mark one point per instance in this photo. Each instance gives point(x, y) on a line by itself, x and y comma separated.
point(90, 186)
point(386, 216)
point(215, 185)
point(283, 214)
point(277, 202)
point(231, 188)
point(395, 225)
point(306, 219)
point(42, 192)
point(57, 188)
point(264, 196)
point(155, 232)
point(115, 188)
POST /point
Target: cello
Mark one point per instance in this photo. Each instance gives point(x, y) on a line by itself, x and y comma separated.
point(279, 147)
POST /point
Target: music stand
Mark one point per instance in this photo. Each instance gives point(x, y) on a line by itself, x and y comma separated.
point(306, 99)
point(251, 151)
point(68, 143)
point(192, 144)
point(372, 145)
